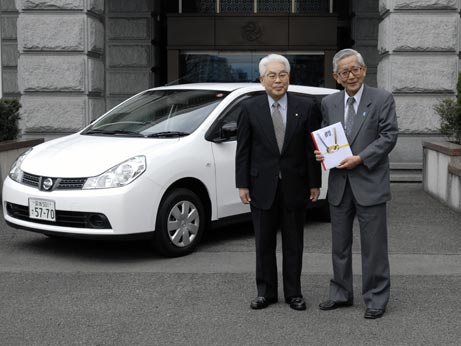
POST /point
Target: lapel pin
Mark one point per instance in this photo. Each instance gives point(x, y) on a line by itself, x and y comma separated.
point(296, 114)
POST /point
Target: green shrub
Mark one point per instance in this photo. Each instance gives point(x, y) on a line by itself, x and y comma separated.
point(450, 119)
point(449, 111)
point(9, 116)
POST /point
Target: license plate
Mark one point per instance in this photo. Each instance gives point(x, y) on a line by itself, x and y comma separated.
point(42, 209)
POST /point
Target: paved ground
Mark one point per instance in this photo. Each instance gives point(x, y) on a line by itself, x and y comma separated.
point(67, 292)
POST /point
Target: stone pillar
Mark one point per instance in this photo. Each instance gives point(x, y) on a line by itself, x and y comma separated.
point(418, 44)
point(364, 26)
point(9, 49)
point(131, 55)
point(61, 65)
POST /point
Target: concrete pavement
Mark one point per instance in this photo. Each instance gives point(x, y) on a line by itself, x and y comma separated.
point(66, 292)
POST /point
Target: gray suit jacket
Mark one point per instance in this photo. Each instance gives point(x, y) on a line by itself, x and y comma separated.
point(374, 135)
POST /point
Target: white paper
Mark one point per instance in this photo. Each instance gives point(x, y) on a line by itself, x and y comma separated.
point(332, 142)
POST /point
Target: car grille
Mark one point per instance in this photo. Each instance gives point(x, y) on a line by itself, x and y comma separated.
point(58, 183)
point(64, 218)
point(31, 180)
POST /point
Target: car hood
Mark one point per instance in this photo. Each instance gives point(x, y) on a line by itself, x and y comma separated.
point(78, 156)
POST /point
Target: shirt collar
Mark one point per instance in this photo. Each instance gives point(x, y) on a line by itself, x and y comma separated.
point(282, 102)
point(357, 96)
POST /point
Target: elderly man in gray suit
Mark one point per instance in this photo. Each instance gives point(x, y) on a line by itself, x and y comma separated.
point(360, 185)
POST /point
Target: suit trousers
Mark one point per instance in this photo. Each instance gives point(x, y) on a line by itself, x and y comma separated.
point(266, 223)
point(374, 250)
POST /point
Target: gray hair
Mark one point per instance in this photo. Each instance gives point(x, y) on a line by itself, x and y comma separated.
point(273, 58)
point(345, 53)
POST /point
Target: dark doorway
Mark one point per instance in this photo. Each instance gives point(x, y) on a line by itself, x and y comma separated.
point(195, 67)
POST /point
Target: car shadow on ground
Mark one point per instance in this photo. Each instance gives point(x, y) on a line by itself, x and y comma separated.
point(113, 250)
point(237, 236)
point(108, 250)
point(241, 230)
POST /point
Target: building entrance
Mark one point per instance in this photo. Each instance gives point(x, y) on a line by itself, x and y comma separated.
point(307, 68)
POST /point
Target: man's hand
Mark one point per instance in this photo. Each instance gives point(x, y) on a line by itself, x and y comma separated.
point(245, 196)
point(315, 193)
point(350, 162)
point(318, 156)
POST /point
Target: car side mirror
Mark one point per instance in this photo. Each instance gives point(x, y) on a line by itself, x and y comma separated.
point(228, 130)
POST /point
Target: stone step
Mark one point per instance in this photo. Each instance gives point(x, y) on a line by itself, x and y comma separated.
point(406, 166)
point(406, 178)
point(406, 172)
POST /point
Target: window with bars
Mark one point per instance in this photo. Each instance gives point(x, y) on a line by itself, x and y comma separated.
point(251, 6)
point(274, 6)
point(236, 6)
point(306, 6)
point(197, 6)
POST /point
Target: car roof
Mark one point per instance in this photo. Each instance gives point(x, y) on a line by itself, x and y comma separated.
point(248, 87)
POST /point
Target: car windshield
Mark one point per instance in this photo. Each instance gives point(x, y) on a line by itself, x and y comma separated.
point(159, 114)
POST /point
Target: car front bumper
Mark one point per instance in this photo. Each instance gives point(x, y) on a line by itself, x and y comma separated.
point(129, 210)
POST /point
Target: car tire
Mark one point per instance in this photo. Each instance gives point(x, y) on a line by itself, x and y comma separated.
point(180, 223)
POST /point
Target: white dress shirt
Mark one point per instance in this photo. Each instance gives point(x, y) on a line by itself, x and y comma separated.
point(357, 98)
point(283, 104)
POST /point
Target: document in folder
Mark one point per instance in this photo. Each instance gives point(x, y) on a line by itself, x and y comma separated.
point(332, 142)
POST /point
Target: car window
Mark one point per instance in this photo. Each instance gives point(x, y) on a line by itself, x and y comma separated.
point(233, 112)
point(229, 115)
point(177, 112)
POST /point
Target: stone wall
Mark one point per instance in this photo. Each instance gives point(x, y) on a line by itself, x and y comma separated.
point(130, 34)
point(419, 62)
point(365, 35)
point(418, 45)
point(9, 49)
point(60, 72)
point(66, 78)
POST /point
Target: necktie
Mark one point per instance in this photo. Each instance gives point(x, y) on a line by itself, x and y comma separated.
point(350, 116)
point(279, 127)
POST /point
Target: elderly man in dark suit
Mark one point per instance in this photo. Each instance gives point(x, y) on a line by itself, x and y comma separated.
point(360, 184)
point(276, 172)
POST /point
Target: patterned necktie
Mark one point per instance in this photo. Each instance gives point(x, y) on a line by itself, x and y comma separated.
point(350, 116)
point(279, 127)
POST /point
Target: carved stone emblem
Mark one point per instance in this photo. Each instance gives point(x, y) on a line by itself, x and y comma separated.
point(251, 31)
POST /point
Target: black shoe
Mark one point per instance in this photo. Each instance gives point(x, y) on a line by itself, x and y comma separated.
point(373, 314)
point(262, 302)
point(331, 304)
point(297, 303)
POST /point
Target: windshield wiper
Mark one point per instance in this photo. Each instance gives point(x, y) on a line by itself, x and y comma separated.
point(113, 132)
point(91, 132)
point(168, 134)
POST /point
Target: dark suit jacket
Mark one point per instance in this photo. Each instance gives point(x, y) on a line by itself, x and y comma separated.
point(374, 135)
point(258, 160)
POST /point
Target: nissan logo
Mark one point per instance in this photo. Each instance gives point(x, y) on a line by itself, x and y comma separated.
point(47, 184)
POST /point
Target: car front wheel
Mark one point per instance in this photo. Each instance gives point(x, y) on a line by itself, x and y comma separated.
point(180, 223)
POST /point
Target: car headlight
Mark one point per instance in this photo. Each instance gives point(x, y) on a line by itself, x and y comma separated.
point(120, 175)
point(16, 172)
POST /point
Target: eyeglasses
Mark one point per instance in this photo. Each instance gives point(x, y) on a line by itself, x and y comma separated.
point(273, 76)
point(345, 73)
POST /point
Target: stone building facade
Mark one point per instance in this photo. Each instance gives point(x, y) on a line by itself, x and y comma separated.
point(70, 61)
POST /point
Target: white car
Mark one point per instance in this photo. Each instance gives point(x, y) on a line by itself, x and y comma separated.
point(160, 164)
